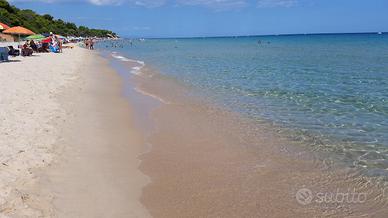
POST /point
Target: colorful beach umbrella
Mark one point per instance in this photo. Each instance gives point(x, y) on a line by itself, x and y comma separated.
point(61, 37)
point(18, 30)
point(3, 26)
point(36, 37)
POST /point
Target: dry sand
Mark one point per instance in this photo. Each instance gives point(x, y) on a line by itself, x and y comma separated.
point(29, 108)
point(67, 145)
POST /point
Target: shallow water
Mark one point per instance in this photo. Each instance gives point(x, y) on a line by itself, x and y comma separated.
point(330, 91)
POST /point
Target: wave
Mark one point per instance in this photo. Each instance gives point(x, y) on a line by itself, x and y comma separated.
point(122, 58)
point(135, 69)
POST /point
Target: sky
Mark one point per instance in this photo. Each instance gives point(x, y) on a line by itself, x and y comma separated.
point(196, 18)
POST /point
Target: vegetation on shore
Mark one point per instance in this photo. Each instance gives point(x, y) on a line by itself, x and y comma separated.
point(46, 23)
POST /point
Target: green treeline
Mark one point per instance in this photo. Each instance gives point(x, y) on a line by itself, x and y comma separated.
point(13, 16)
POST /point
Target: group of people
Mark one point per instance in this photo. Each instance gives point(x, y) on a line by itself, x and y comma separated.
point(29, 47)
point(89, 44)
point(51, 44)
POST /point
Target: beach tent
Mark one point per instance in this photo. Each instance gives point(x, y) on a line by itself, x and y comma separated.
point(3, 26)
point(18, 31)
point(35, 37)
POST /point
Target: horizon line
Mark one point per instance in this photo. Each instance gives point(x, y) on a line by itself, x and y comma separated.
point(255, 35)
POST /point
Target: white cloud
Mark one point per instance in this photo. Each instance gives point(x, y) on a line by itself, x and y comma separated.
point(142, 3)
point(214, 4)
point(148, 3)
point(105, 2)
point(48, 1)
point(275, 3)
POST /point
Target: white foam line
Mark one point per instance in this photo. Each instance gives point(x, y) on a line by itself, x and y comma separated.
point(136, 69)
point(139, 62)
point(120, 57)
point(115, 55)
point(152, 96)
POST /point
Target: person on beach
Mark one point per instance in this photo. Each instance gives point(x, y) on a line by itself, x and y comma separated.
point(86, 42)
point(44, 47)
point(60, 45)
point(54, 43)
point(33, 46)
point(52, 37)
point(26, 50)
point(91, 44)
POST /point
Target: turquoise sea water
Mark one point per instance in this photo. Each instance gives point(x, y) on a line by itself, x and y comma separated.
point(330, 90)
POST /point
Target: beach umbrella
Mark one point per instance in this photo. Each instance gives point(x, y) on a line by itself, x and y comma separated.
point(61, 37)
point(3, 26)
point(18, 30)
point(36, 37)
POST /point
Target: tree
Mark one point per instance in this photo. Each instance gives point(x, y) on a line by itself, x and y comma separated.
point(13, 16)
point(48, 17)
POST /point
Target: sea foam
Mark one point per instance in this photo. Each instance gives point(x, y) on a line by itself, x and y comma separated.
point(135, 69)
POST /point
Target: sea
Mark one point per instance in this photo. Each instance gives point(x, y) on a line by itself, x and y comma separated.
point(328, 91)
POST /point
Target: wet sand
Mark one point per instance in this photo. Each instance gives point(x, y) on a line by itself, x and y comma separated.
point(208, 162)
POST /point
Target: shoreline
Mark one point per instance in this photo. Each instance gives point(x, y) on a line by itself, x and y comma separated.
point(207, 153)
point(113, 150)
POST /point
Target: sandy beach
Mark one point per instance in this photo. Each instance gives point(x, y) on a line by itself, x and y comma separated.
point(67, 145)
point(208, 109)
point(30, 119)
point(74, 143)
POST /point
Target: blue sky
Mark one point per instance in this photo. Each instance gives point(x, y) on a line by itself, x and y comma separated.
point(185, 18)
